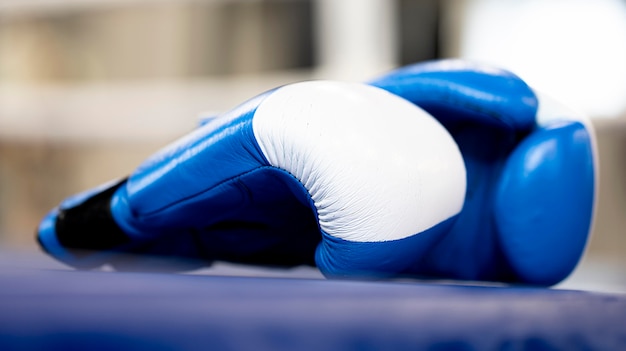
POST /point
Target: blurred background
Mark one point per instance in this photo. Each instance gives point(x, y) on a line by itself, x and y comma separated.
point(89, 88)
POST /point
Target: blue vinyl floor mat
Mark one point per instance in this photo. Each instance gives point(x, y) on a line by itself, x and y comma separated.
point(56, 309)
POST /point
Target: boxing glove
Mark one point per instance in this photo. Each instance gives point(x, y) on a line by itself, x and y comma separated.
point(525, 218)
point(345, 176)
point(531, 174)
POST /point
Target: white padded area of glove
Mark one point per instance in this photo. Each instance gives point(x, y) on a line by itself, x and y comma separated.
point(377, 167)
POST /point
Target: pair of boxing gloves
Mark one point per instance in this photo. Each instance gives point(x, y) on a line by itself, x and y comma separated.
point(445, 169)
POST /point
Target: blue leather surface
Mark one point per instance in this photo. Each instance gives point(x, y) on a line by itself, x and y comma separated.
point(64, 310)
point(527, 213)
point(459, 90)
point(339, 258)
point(544, 202)
point(165, 190)
point(470, 249)
point(270, 223)
point(212, 195)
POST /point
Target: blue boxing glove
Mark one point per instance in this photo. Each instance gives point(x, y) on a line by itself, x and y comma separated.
point(349, 177)
point(531, 173)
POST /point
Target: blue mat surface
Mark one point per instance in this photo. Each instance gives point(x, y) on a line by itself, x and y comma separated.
point(54, 309)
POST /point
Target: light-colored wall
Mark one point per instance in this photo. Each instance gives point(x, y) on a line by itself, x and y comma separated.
point(608, 240)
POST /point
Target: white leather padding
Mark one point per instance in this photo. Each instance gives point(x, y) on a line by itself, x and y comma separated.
point(377, 167)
